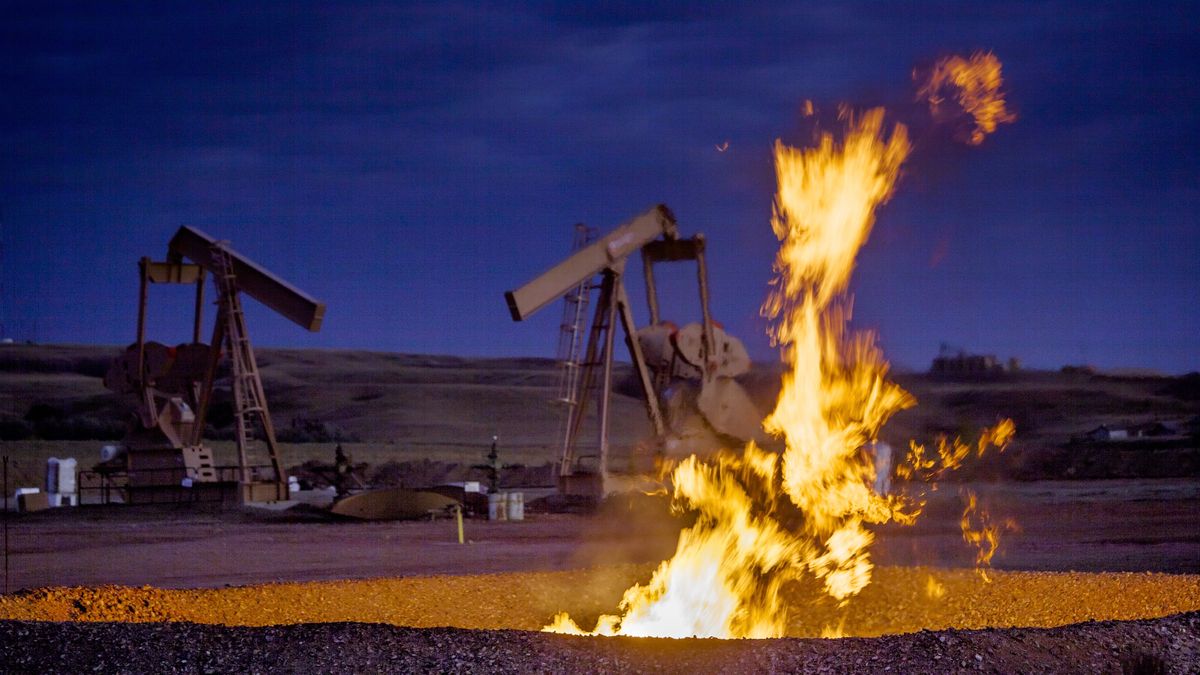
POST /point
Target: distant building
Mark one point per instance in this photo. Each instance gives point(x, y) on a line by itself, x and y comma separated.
point(956, 361)
point(1106, 433)
point(963, 363)
point(1151, 430)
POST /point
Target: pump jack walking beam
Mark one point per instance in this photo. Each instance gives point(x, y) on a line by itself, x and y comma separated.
point(586, 263)
point(254, 280)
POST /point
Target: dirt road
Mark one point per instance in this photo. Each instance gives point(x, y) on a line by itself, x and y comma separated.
point(516, 575)
point(1085, 526)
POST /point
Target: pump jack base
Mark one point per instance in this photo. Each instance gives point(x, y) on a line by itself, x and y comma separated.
point(582, 484)
point(262, 492)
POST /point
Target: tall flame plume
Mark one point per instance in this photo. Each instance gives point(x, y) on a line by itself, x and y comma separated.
point(767, 518)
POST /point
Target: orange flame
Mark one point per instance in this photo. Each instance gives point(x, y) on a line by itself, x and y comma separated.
point(934, 589)
point(922, 466)
point(980, 531)
point(974, 84)
point(835, 397)
point(728, 569)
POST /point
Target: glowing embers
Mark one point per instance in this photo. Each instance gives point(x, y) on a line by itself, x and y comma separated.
point(981, 532)
point(973, 87)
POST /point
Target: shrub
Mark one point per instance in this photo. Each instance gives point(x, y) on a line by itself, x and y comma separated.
point(15, 430)
point(81, 428)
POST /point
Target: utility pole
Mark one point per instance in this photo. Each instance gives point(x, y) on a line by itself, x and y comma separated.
point(494, 467)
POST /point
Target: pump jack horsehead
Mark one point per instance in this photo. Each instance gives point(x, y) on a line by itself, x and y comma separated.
point(163, 448)
point(668, 361)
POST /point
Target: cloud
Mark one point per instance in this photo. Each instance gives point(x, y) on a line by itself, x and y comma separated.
point(478, 130)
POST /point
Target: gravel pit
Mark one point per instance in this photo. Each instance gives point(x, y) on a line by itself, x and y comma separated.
point(900, 600)
point(1167, 645)
point(1022, 621)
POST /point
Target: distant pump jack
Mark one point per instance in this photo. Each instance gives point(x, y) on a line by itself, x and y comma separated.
point(173, 386)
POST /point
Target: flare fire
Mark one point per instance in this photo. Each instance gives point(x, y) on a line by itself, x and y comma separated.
point(767, 518)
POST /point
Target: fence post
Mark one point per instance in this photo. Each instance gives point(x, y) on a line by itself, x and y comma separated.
point(6, 524)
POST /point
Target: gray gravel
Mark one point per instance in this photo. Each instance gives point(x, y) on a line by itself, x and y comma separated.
point(1170, 644)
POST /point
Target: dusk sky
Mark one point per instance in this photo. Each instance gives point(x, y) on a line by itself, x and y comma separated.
point(408, 163)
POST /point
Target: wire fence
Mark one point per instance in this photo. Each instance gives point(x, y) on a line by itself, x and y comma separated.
point(169, 485)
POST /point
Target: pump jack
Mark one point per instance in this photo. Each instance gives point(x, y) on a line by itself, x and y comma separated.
point(164, 445)
point(714, 358)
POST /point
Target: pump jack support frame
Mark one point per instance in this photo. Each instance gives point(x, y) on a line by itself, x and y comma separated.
point(655, 234)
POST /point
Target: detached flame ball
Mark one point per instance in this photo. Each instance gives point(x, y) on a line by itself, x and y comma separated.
point(974, 85)
point(765, 519)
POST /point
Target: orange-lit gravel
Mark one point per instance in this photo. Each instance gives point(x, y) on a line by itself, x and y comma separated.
point(900, 600)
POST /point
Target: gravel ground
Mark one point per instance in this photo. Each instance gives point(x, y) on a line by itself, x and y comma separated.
point(343, 626)
point(425, 615)
point(1170, 645)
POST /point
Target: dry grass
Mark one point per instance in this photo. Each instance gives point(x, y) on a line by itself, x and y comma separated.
point(444, 408)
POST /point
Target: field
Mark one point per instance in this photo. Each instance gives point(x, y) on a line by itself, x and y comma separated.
point(220, 584)
point(410, 408)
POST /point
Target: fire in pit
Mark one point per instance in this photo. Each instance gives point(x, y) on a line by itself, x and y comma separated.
point(765, 519)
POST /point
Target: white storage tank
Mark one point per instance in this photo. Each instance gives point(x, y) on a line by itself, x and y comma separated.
point(516, 506)
point(60, 481)
point(498, 506)
point(108, 452)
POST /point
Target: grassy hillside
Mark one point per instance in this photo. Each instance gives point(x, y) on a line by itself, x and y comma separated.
point(409, 407)
point(391, 407)
point(392, 398)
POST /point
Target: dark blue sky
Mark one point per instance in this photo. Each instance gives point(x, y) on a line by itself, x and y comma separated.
point(409, 163)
